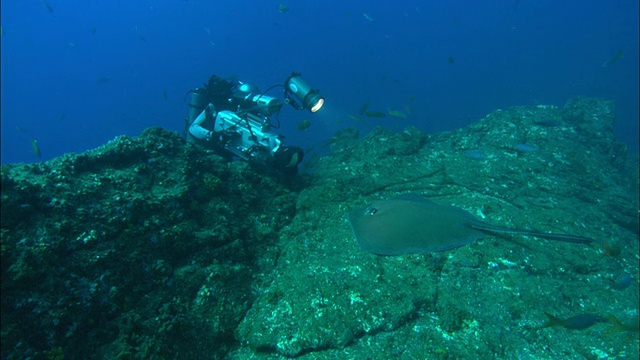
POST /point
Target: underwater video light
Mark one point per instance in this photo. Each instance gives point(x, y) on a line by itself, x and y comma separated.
point(308, 97)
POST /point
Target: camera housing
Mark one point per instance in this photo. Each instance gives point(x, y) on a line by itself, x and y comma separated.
point(243, 135)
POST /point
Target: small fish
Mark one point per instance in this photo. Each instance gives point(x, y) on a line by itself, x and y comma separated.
point(102, 80)
point(35, 148)
point(578, 322)
point(368, 17)
point(363, 109)
point(1, 31)
point(142, 38)
point(613, 59)
point(283, 8)
point(164, 94)
point(547, 122)
point(622, 282)
point(475, 154)
point(303, 125)
point(62, 116)
point(408, 110)
point(375, 114)
point(356, 118)
point(396, 113)
point(525, 148)
point(49, 8)
point(451, 60)
point(93, 30)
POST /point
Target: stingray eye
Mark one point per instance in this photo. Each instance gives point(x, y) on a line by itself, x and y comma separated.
point(371, 210)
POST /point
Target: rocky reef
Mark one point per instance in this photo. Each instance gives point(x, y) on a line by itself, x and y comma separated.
point(149, 247)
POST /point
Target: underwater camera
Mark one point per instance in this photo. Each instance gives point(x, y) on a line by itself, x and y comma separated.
point(243, 126)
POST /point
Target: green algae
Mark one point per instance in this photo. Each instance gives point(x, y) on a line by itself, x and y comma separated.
point(149, 247)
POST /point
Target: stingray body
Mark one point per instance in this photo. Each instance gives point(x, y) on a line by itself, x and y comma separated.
point(411, 224)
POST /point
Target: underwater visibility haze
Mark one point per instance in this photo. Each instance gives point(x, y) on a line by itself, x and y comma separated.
point(75, 74)
point(469, 188)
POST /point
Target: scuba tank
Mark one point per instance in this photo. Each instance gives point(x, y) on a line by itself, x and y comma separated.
point(197, 103)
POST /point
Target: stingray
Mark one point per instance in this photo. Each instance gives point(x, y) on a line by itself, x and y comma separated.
point(411, 224)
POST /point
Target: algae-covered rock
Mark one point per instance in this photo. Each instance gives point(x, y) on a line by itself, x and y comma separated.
point(149, 247)
point(329, 299)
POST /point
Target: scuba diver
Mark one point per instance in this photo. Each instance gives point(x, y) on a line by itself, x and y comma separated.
point(234, 118)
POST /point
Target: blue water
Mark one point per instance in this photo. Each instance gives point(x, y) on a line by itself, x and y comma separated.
point(88, 71)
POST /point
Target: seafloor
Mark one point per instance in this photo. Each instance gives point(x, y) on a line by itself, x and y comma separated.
point(150, 248)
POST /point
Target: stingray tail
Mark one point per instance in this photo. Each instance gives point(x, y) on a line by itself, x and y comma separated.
point(550, 236)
